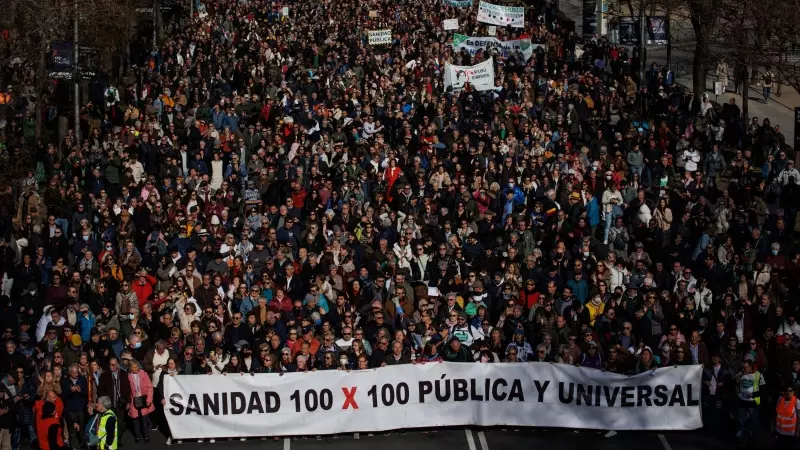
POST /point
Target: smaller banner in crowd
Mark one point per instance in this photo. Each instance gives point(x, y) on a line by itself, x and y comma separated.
point(450, 24)
point(491, 30)
point(519, 48)
point(459, 3)
point(285, 11)
point(501, 15)
point(429, 396)
point(379, 37)
point(480, 76)
point(373, 13)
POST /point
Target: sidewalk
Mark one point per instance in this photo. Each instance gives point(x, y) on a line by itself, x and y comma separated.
point(779, 110)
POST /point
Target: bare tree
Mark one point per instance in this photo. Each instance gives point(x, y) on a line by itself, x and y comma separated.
point(34, 25)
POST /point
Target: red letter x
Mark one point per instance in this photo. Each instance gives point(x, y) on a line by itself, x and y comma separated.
point(350, 397)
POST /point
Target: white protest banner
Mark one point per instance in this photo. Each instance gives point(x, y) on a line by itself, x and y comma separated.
point(480, 76)
point(285, 11)
point(520, 48)
point(501, 15)
point(491, 30)
point(431, 395)
point(379, 37)
point(459, 3)
point(450, 24)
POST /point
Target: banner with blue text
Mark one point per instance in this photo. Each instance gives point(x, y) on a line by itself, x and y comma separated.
point(431, 395)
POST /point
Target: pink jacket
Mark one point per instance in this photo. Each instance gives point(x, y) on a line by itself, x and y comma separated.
point(145, 388)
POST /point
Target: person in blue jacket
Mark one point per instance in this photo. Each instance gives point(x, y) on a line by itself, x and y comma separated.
point(86, 321)
point(592, 211)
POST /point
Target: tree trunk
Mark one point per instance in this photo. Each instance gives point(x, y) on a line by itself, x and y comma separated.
point(698, 71)
point(700, 57)
point(745, 97)
point(41, 80)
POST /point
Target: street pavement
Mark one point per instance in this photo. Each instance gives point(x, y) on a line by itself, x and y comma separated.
point(466, 439)
point(779, 110)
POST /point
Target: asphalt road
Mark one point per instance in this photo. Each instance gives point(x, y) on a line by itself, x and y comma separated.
point(466, 439)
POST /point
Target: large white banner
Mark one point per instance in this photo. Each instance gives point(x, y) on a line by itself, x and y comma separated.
point(379, 37)
point(520, 48)
point(480, 76)
point(501, 15)
point(431, 395)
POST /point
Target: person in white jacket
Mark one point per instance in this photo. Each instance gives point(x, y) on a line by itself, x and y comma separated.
point(787, 173)
point(612, 206)
point(403, 253)
point(691, 158)
point(47, 318)
point(465, 332)
point(703, 297)
point(789, 327)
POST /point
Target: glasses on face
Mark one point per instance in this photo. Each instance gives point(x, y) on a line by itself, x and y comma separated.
point(512, 353)
point(673, 329)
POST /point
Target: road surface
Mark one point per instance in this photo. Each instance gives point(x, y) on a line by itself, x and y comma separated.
point(461, 439)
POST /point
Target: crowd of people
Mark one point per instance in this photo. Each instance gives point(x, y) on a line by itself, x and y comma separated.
point(276, 195)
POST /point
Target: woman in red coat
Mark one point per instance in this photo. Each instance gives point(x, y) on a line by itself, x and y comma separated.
point(141, 404)
point(49, 416)
point(391, 175)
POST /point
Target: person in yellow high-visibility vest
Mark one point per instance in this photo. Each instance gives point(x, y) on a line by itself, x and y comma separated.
point(786, 412)
point(750, 381)
point(107, 427)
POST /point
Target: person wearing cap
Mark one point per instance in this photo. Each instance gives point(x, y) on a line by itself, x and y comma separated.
point(464, 332)
point(86, 322)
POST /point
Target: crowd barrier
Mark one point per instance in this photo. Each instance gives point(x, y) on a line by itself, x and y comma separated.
point(431, 395)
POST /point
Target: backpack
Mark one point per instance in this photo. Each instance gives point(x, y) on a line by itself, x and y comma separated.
point(768, 78)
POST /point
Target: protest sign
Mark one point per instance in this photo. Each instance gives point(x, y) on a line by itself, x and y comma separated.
point(450, 24)
point(480, 76)
point(431, 395)
point(459, 3)
point(501, 15)
point(379, 37)
point(519, 48)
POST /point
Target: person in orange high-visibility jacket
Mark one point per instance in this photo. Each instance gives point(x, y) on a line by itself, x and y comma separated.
point(786, 412)
point(49, 415)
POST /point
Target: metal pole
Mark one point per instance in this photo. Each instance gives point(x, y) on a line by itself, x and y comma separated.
point(669, 33)
point(642, 59)
point(75, 76)
point(155, 26)
point(191, 10)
